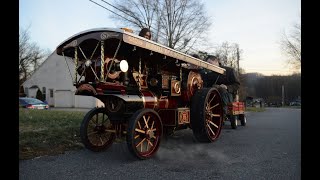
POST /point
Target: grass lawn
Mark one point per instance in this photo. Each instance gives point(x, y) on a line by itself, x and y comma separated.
point(48, 132)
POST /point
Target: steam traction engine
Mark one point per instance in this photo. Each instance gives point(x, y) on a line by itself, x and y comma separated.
point(147, 89)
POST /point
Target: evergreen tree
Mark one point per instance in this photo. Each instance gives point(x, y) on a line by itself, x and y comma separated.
point(39, 95)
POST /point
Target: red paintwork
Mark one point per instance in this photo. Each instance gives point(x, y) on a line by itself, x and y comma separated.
point(235, 108)
point(86, 88)
point(110, 86)
point(168, 117)
point(151, 101)
point(166, 106)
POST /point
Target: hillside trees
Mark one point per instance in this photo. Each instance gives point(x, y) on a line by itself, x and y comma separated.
point(270, 87)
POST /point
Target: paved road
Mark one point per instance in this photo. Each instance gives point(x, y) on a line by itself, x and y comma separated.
point(269, 147)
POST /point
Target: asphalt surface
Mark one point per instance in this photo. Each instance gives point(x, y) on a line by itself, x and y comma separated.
point(269, 147)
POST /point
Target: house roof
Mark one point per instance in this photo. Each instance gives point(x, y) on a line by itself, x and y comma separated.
point(34, 87)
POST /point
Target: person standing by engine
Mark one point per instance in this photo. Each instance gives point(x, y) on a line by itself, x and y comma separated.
point(227, 84)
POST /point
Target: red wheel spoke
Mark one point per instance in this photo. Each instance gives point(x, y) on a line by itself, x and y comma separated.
point(210, 129)
point(140, 131)
point(141, 142)
point(215, 115)
point(213, 124)
point(91, 124)
point(101, 140)
point(152, 125)
point(146, 121)
point(93, 132)
point(214, 106)
point(212, 98)
point(97, 120)
point(149, 142)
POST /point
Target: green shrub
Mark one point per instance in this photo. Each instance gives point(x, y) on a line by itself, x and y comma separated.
point(39, 95)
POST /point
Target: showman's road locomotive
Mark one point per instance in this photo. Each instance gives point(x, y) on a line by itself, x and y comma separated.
point(148, 91)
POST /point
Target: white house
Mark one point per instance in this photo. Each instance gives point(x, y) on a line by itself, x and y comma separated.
point(55, 82)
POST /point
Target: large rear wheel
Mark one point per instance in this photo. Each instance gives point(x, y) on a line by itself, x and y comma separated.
point(96, 131)
point(144, 133)
point(206, 114)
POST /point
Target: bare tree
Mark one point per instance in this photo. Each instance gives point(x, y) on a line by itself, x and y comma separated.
point(137, 13)
point(177, 24)
point(30, 55)
point(229, 54)
point(291, 46)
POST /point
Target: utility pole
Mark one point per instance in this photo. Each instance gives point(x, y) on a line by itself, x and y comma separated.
point(282, 95)
point(238, 59)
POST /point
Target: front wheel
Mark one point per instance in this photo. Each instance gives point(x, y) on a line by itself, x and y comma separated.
point(96, 131)
point(144, 133)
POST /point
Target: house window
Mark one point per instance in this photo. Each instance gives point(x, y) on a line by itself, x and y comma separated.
point(51, 93)
point(44, 93)
point(26, 91)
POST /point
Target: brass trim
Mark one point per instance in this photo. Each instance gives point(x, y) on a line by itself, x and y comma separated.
point(183, 110)
point(144, 101)
point(175, 87)
point(102, 62)
point(76, 63)
point(155, 104)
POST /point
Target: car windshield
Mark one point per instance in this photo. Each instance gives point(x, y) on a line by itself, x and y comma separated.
point(32, 101)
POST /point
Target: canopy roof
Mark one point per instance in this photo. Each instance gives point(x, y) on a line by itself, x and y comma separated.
point(101, 34)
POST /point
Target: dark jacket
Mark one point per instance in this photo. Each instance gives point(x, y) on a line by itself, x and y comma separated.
point(230, 79)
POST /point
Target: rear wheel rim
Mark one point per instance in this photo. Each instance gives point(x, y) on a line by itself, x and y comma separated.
point(213, 115)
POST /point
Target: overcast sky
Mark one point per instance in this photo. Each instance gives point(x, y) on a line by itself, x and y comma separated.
point(256, 25)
